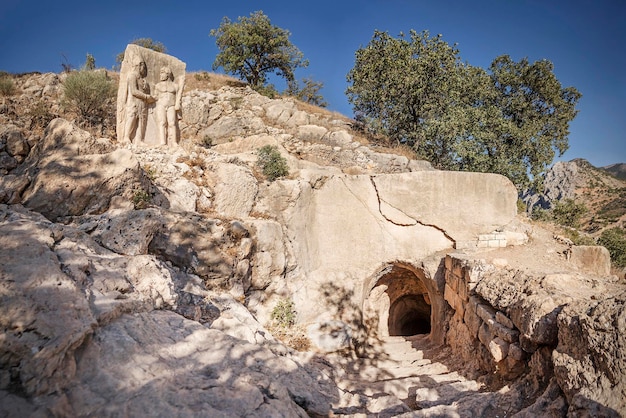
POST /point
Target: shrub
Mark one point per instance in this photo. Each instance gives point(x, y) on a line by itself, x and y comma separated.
point(267, 91)
point(141, 199)
point(40, 115)
point(272, 163)
point(568, 213)
point(284, 314)
point(7, 86)
point(207, 141)
point(90, 94)
point(539, 214)
point(614, 239)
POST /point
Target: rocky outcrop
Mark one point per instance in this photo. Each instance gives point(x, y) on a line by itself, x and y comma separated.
point(142, 280)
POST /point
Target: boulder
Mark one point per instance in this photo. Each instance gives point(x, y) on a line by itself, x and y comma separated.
point(589, 361)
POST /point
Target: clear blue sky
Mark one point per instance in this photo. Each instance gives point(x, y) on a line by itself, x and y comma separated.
point(584, 39)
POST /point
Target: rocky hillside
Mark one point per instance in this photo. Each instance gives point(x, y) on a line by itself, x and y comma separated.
point(602, 193)
point(155, 281)
point(617, 170)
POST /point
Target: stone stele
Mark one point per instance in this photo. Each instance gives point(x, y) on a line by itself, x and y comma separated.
point(138, 97)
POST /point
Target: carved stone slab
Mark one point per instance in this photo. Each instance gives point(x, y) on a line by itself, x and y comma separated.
point(138, 95)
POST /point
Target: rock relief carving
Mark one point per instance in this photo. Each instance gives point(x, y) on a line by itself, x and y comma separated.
point(149, 98)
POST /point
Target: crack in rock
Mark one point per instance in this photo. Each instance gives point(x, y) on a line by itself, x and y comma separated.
point(414, 222)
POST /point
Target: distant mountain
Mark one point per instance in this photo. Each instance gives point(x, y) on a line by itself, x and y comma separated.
point(618, 170)
point(602, 190)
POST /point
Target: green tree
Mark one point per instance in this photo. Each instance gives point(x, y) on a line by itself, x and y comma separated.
point(614, 239)
point(307, 92)
point(252, 48)
point(417, 91)
point(143, 42)
point(537, 111)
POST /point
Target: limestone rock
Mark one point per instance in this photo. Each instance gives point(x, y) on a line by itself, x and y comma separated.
point(128, 232)
point(197, 244)
point(45, 314)
point(589, 361)
point(138, 96)
point(75, 174)
point(330, 336)
point(162, 364)
point(235, 192)
point(591, 259)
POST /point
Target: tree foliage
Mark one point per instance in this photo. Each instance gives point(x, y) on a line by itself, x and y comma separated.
point(567, 212)
point(308, 91)
point(143, 42)
point(252, 48)
point(614, 239)
point(90, 62)
point(511, 120)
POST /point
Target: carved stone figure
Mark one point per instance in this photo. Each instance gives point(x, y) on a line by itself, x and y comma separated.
point(168, 107)
point(149, 97)
point(137, 99)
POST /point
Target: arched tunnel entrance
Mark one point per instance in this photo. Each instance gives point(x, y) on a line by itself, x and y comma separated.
point(402, 300)
point(409, 315)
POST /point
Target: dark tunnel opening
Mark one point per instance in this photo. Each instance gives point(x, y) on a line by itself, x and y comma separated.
point(409, 315)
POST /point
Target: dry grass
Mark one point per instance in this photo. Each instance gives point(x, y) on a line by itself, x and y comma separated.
point(316, 110)
point(203, 80)
point(294, 337)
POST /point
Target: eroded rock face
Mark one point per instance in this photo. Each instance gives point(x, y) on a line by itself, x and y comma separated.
point(589, 360)
point(152, 295)
point(161, 364)
point(149, 98)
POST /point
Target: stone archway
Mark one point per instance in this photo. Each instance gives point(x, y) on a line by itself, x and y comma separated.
point(402, 300)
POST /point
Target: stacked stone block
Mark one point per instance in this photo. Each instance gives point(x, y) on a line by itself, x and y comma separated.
point(485, 325)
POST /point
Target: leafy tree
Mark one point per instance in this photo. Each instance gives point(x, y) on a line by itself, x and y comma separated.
point(143, 42)
point(537, 111)
point(252, 48)
point(417, 91)
point(308, 92)
point(614, 239)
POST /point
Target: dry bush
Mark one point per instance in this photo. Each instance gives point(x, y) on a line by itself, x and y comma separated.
point(294, 337)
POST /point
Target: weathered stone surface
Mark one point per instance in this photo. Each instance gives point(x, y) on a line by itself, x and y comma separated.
point(589, 361)
point(199, 245)
point(236, 191)
point(330, 336)
point(164, 365)
point(499, 349)
point(76, 174)
point(591, 259)
point(448, 199)
point(269, 257)
point(44, 313)
point(139, 96)
point(127, 232)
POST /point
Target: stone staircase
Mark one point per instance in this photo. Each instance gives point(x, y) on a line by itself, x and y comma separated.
point(411, 377)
